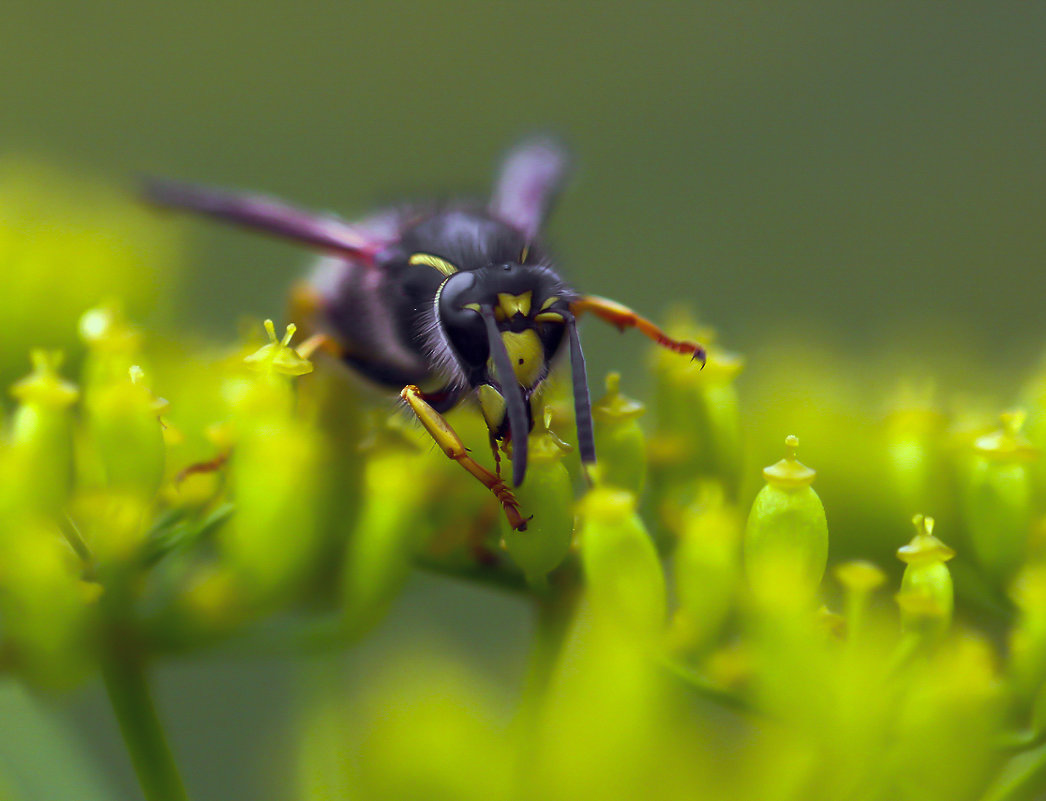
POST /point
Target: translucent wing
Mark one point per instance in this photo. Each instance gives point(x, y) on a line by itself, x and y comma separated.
point(528, 183)
point(260, 213)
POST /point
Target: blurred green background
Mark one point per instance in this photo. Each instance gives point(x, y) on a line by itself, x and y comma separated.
point(865, 176)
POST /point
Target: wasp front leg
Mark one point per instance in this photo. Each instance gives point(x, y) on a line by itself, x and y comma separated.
point(623, 317)
point(445, 436)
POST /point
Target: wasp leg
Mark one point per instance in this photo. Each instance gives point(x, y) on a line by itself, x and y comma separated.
point(623, 317)
point(445, 436)
point(494, 450)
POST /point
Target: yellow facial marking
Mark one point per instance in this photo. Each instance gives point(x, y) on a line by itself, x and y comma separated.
point(473, 306)
point(549, 317)
point(492, 405)
point(442, 265)
point(527, 355)
point(548, 302)
point(510, 304)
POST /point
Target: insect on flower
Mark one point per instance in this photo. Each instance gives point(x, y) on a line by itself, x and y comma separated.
point(446, 302)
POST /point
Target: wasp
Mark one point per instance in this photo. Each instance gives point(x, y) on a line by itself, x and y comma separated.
point(446, 301)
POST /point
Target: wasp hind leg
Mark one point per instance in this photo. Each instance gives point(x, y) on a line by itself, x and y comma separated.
point(622, 317)
point(445, 436)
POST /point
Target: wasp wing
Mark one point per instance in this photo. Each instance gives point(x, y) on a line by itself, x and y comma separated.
point(266, 214)
point(530, 179)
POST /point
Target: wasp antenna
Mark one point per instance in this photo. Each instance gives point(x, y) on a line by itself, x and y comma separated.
point(582, 404)
point(517, 410)
point(262, 214)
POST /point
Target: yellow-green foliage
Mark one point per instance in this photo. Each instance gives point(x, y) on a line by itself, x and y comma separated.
point(160, 498)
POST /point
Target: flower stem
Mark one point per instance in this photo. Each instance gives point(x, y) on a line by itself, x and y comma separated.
point(127, 686)
point(554, 611)
point(1019, 777)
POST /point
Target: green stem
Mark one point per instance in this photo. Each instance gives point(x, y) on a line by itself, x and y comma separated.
point(127, 685)
point(553, 614)
point(1020, 778)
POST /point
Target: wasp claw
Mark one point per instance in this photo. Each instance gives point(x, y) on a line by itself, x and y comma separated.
point(701, 354)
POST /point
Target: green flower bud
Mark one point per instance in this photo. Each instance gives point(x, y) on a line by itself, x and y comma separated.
point(123, 422)
point(914, 433)
point(997, 499)
point(275, 475)
point(548, 496)
point(271, 541)
point(620, 442)
point(113, 345)
point(626, 585)
point(269, 392)
point(786, 538)
point(707, 565)
point(45, 606)
point(391, 526)
point(927, 596)
point(698, 415)
point(40, 459)
point(1028, 636)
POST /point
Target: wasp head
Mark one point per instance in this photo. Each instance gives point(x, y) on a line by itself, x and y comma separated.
point(505, 323)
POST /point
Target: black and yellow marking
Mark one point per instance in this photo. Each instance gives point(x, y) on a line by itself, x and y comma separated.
point(428, 260)
point(510, 305)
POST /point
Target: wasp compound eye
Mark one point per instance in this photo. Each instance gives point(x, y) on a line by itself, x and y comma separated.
point(458, 313)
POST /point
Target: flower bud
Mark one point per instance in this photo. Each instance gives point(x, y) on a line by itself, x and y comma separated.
point(391, 525)
point(40, 460)
point(707, 564)
point(698, 416)
point(45, 609)
point(124, 426)
point(274, 474)
point(915, 468)
point(548, 496)
point(113, 345)
point(997, 499)
point(1028, 636)
point(926, 597)
point(620, 442)
point(626, 585)
point(786, 538)
point(267, 393)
